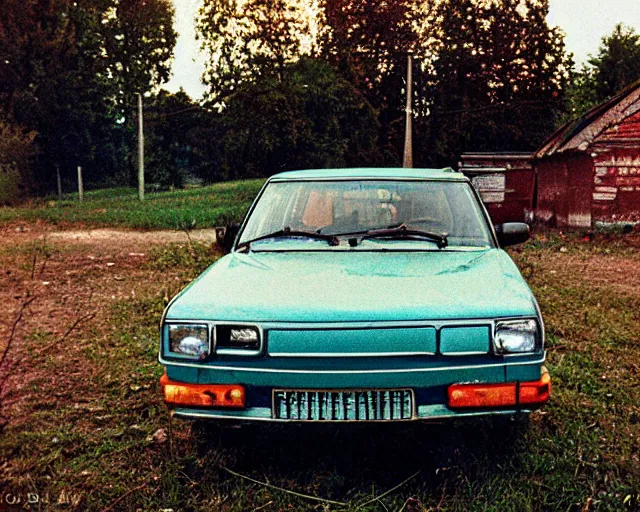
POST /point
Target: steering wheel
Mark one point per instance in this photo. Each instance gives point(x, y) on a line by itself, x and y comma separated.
point(341, 224)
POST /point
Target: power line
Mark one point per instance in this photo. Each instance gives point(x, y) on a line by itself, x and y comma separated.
point(195, 107)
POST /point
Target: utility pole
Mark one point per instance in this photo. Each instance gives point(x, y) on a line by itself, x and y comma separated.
point(140, 149)
point(408, 141)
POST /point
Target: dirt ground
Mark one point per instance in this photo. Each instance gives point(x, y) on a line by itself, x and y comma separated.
point(75, 271)
point(71, 276)
point(22, 233)
point(82, 275)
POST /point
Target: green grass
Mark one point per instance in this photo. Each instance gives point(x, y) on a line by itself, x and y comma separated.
point(203, 207)
point(93, 437)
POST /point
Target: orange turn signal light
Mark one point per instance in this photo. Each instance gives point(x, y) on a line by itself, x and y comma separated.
point(536, 392)
point(511, 394)
point(202, 395)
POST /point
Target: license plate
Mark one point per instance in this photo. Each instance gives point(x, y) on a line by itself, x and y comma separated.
point(366, 405)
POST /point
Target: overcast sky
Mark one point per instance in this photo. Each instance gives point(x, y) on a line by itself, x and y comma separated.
point(585, 22)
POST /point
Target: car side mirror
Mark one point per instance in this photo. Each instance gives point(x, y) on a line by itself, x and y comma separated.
point(512, 233)
point(225, 236)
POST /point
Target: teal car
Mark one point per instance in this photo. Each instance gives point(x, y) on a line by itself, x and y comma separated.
point(358, 295)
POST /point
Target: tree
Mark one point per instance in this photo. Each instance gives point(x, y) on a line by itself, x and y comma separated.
point(368, 42)
point(43, 84)
point(617, 63)
point(139, 40)
point(580, 95)
point(496, 74)
point(70, 71)
point(312, 118)
point(366, 39)
point(249, 39)
point(172, 120)
point(616, 66)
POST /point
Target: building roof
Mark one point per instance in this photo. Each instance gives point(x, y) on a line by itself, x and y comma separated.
point(497, 155)
point(580, 133)
point(372, 173)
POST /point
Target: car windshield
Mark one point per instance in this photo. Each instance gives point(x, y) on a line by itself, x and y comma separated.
point(359, 206)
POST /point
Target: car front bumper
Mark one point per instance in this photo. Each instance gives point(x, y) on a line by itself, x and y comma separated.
point(439, 391)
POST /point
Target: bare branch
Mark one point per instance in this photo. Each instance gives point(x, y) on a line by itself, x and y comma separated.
point(186, 228)
point(78, 321)
point(263, 506)
point(33, 263)
point(368, 502)
point(125, 495)
point(306, 496)
point(75, 324)
point(14, 327)
point(44, 264)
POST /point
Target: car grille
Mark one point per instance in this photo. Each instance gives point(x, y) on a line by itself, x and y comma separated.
point(378, 405)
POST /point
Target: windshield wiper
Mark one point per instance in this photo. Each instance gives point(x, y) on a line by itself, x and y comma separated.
point(405, 232)
point(288, 232)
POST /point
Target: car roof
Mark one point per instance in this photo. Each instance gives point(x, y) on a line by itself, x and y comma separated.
point(447, 174)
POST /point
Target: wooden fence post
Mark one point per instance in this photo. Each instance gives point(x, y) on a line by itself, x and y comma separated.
point(59, 182)
point(80, 186)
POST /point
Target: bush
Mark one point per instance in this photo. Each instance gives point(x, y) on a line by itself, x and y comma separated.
point(17, 151)
point(11, 188)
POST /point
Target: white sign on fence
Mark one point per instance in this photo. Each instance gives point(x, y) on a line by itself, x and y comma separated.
point(490, 187)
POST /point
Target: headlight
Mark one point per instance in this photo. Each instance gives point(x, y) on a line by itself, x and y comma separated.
point(516, 336)
point(188, 340)
point(237, 338)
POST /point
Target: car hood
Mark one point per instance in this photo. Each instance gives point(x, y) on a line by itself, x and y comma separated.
point(356, 286)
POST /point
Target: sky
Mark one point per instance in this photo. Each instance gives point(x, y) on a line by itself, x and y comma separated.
point(584, 22)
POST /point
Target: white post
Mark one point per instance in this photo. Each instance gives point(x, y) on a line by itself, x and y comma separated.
point(408, 142)
point(80, 186)
point(59, 182)
point(140, 149)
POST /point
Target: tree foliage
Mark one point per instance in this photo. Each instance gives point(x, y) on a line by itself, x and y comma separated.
point(368, 41)
point(489, 74)
point(616, 66)
point(494, 78)
point(617, 63)
point(138, 46)
point(40, 79)
point(312, 118)
point(580, 95)
point(68, 71)
point(172, 122)
point(138, 41)
point(246, 39)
